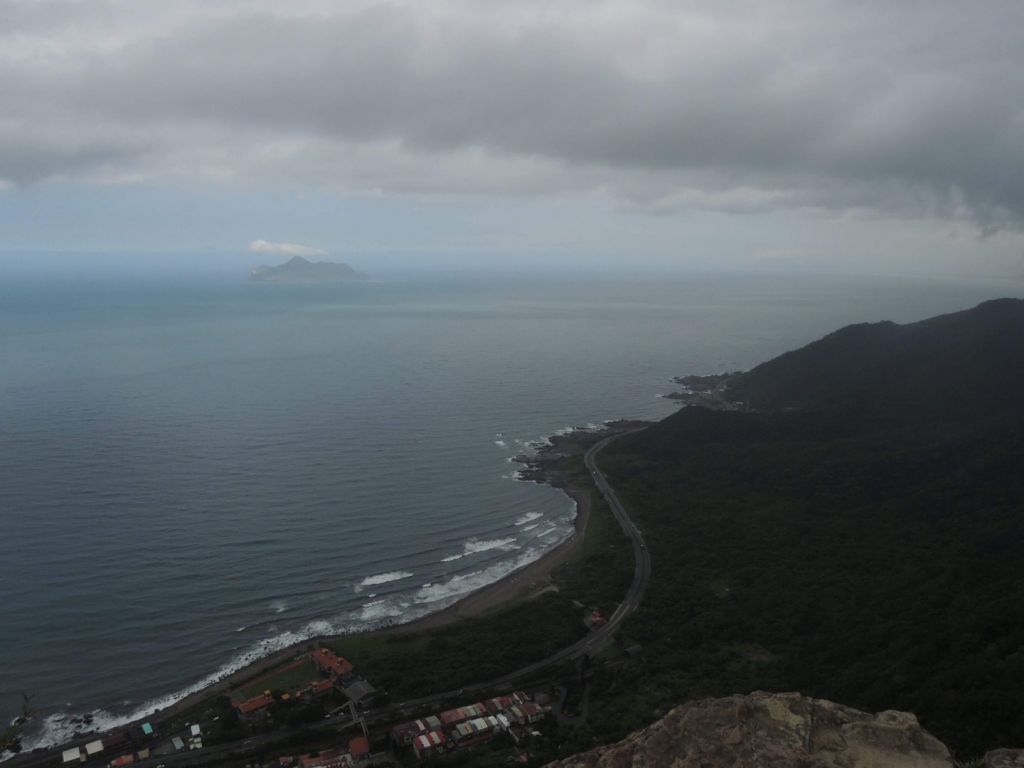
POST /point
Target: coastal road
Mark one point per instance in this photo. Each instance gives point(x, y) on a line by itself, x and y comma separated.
point(596, 640)
point(593, 643)
point(641, 556)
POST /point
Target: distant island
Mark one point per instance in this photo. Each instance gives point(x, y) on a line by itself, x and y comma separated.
point(300, 270)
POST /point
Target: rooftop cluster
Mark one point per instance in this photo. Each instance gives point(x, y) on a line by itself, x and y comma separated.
point(468, 725)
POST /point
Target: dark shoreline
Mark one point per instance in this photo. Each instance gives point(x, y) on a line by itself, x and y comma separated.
point(540, 467)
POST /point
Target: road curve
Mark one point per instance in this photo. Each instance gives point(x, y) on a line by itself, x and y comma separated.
point(588, 645)
point(641, 555)
point(599, 638)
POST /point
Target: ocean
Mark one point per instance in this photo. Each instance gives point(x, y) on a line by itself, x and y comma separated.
point(195, 472)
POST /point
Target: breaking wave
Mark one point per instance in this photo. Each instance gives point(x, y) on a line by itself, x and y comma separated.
point(378, 610)
point(384, 578)
point(529, 517)
point(431, 597)
point(278, 606)
point(474, 546)
point(61, 727)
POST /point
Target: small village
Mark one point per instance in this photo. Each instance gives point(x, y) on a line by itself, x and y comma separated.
point(327, 686)
point(515, 715)
point(310, 677)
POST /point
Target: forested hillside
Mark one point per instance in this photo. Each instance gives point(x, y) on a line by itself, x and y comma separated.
point(859, 540)
point(964, 365)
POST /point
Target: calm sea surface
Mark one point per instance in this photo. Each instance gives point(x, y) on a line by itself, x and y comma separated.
point(194, 473)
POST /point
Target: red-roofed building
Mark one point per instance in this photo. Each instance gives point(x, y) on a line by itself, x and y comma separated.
point(359, 747)
point(527, 712)
point(320, 687)
point(403, 734)
point(427, 744)
point(452, 717)
point(254, 707)
point(499, 703)
point(456, 716)
point(330, 663)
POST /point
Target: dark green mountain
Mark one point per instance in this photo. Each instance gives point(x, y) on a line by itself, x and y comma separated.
point(860, 537)
point(962, 365)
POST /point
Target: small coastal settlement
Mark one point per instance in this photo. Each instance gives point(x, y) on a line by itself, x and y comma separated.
point(339, 713)
point(515, 715)
point(314, 708)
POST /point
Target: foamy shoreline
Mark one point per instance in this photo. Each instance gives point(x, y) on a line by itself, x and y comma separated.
point(526, 571)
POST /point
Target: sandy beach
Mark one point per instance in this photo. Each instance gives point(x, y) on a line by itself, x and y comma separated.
point(529, 579)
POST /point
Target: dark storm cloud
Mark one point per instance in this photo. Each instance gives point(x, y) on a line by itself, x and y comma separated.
point(905, 109)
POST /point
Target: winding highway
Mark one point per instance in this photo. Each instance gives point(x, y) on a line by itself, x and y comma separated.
point(599, 638)
point(641, 556)
point(592, 643)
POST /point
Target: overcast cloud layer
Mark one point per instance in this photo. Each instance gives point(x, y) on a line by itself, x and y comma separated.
point(905, 109)
point(284, 249)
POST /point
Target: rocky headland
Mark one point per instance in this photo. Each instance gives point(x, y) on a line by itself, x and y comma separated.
point(778, 730)
point(546, 464)
point(710, 391)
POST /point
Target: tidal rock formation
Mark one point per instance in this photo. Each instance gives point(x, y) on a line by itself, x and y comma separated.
point(772, 730)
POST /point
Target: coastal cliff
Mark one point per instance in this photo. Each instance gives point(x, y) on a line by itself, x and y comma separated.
point(772, 730)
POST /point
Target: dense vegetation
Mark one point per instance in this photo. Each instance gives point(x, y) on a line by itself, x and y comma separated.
point(854, 538)
point(409, 665)
point(859, 547)
point(415, 664)
point(962, 366)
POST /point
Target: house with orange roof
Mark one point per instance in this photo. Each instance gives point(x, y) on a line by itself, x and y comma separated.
point(330, 664)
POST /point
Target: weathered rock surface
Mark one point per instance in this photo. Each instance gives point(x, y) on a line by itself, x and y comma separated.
point(1004, 758)
point(772, 730)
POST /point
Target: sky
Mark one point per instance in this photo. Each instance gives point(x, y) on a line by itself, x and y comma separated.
point(857, 136)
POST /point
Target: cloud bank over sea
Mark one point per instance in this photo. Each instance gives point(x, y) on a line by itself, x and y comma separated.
point(285, 249)
point(730, 107)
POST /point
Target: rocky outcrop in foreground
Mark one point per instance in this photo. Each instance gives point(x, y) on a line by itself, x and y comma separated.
point(1004, 758)
point(772, 730)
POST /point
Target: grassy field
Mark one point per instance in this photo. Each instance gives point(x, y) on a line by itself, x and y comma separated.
point(411, 665)
point(288, 678)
